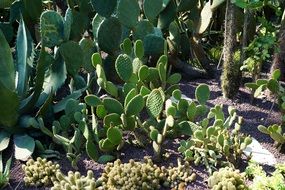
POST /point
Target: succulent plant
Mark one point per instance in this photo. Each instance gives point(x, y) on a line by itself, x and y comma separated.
point(227, 179)
point(75, 181)
point(40, 172)
point(275, 131)
point(216, 144)
point(144, 175)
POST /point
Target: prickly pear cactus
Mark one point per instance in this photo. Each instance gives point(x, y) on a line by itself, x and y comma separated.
point(40, 172)
point(51, 28)
point(155, 102)
point(124, 67)
point(74, 181)
point(275, 132)
point(227, 179)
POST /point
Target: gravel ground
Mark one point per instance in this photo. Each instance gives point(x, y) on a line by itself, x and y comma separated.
point(253, 114)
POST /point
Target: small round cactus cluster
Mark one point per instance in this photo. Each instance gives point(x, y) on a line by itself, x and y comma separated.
point(180, 175)
point(40, 172)
point(74, 181)
point(227, 179)
point(143, 175)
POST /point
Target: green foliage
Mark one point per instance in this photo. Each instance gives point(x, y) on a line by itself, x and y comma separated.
point(227, 178)
point(261, 181)
point(4, 175)
point(40, 172)
point(275, 132)
point(273, 85)
point(259, 50)
point(214, 145)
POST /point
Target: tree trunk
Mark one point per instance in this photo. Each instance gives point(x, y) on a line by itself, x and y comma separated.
point(231, 75)
point(279, 57)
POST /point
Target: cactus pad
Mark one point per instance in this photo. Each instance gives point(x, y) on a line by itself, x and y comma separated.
point(115, 135)
point(155, 102)
point(135, 105)
point(202, 93)
point(52, 29)
point(124, 67)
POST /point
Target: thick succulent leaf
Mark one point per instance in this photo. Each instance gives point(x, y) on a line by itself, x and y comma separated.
point(25, 55)
point(42, 65)
point(68, 20)
point(72, 55)
point(155, 102)
point(113, 106)
point(109, 35)
point(124, 67)
point(106, 158)
point(92, 100)
point(91, 150)
point(114, 135)
point(128, 12)
point(7, 71)
point(104, 7)
point(152, 8)
point(143, 28)
point(4, 140)
point(167, 15)
point(88, 47)
point(135, 105)
point(9, 102)
point(62, 104)
point(276, 74)
point(52, 29)
point(153, 44)
point(56, 74)
point(202, 93)
point(97, 20)
point(205, 18)
point(24, 146)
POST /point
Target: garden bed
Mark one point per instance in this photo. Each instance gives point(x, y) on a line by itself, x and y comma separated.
point(254, 114)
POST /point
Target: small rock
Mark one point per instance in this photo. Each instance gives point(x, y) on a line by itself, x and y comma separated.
point(260, 154)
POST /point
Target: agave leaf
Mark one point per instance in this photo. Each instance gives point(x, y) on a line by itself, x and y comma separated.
point(24, 146)
point(9, 102)
point(7, 71)
point(4, 140)
point(25, 55)
point(43, 63)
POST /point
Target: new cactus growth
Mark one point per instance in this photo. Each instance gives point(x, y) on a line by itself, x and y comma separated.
point(144, 175)
point(216, 144)
point(75, 181)
point(275, 131)
point(40, 172)
point(227, 179)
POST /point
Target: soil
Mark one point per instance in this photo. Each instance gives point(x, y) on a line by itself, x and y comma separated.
point(254, 114)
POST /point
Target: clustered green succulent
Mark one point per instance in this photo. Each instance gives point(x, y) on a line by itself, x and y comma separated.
point(40, 172)
point(276, 133)
point(216, 144)
point(146, 175)
point(261, 181)
point(227, 179)
point(74, 181)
